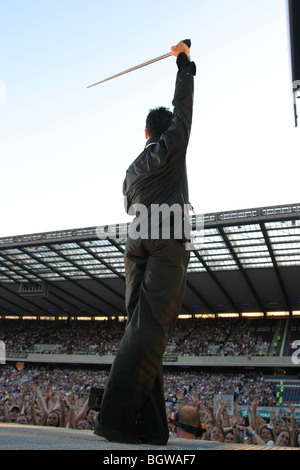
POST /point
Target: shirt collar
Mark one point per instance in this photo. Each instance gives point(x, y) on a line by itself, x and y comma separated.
point(151, 141)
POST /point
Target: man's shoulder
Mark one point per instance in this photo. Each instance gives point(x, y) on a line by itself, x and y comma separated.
point(149, 160)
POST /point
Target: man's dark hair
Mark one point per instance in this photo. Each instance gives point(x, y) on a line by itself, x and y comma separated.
point(158, 121)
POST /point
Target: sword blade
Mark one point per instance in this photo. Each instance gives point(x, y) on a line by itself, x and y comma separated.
point(132, 69)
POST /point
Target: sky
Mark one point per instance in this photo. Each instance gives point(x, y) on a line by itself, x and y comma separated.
point(65, 148)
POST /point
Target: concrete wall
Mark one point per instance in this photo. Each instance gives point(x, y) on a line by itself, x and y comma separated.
point(211, 361)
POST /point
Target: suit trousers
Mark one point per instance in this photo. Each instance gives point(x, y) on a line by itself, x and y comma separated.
point(133, 405)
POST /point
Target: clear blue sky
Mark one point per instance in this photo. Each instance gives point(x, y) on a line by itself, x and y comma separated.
point(64, 148)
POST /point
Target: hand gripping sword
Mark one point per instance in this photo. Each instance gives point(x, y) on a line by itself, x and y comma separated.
point(186, 41)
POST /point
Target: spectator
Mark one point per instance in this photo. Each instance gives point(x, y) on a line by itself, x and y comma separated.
point(283, 437)
point(229, 437)
point(14, 412)
point(22, 419)
point(83, 424)
point(267, 434)
point(217, 433)
point(187, 423)
point(53, 419)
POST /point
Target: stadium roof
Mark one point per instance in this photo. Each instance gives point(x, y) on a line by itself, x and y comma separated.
point(243, 261)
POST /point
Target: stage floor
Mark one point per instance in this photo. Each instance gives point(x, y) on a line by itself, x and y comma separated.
point(28, 437)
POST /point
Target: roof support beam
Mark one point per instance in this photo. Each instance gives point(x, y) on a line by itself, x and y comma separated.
point(57, 271)
point(101, 260)
point(91, 276)
point(200, 297)
point(30, 302)
point(210, 272)
point(14, 304)
point(33, 273)
point(242, 270)
point(276, 268)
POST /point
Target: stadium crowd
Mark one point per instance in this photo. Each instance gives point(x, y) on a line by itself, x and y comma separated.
point(59, 396)
point(192, 337)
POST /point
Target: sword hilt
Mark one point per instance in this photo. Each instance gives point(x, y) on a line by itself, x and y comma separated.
point(187, 42)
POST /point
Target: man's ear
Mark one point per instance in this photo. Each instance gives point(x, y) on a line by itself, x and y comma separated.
point(146, 133)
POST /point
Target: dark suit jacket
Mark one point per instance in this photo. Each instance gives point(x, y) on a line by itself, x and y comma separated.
point(158, 175)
